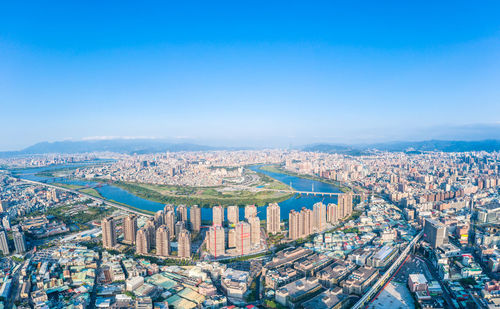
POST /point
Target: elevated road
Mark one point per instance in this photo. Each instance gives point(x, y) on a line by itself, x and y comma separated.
point(121, 207)
point(367, 297)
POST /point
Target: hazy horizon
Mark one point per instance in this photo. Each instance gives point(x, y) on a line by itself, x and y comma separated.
point(266, 74)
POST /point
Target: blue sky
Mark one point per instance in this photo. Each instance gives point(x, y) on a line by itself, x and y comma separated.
point(259, 73)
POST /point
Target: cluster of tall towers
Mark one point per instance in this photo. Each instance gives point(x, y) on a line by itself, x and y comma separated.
point(306, 222)
point(157, 233)
point(172, 224)
point(240, 235)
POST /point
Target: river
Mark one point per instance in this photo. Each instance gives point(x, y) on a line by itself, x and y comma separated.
point(111, 192)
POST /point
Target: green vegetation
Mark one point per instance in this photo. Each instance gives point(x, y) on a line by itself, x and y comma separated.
point(64, 213)
point(91, 191)
point(203, 196)
point(68, 186)
point(252, 295)
point(17, 259)
point(352, 230)
point(244, 258)
point(272, 304)
point(277, 169)
point(159, 261)
point(468, 281)
point(147, 212)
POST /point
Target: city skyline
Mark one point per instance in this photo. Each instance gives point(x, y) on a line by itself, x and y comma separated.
point(265, 75)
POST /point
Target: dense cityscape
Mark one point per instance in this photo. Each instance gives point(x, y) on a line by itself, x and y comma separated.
point(421, 226)
point(249, 155)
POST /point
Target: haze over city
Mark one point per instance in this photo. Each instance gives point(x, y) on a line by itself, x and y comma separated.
point(265, 74)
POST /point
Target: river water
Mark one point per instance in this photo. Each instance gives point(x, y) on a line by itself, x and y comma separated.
point(111, 192)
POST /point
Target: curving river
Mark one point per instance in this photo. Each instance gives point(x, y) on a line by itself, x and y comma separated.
point(111, 192)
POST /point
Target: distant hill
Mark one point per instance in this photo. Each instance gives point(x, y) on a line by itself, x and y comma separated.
point(410, 147)
point(340, 149)
point(139, 146)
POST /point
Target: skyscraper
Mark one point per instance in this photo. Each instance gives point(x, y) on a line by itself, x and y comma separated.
point(6, 222)
point(242, 238)
point(4, 245)
point(151, 230)
point(170, 223)
point(159, 218)
point(218, 215)
point(184, 244)
point(231, 238)
point(250, 211)
point(345, 205)
point(142, 241)
point(195, 218)
point(108, 233)
point(254, 230)
point(129, 228)
point(182, 214)
point(293, 225)
point(162, 241)
point(273, 218)
point(19, 242)
point(3, 206)
point(435, 233)
point(233, 214)
point(319, 217)
point(168, 207)
point(305, 222)
point(332, 213)
point(216, 243)
point(179, 226)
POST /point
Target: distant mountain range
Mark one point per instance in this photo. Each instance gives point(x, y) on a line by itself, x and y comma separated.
point(411, 147)
point(138, 146)
point(143, 146)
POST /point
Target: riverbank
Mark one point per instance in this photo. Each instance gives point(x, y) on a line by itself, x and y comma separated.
point(274, 168)
point(213, 198)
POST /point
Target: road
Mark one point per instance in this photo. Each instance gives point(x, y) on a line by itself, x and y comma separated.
point(121, 207)
point(387, 275)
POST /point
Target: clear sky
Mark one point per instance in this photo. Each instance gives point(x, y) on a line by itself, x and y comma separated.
point(261, 73)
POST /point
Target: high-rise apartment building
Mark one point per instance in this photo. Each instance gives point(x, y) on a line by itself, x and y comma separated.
point(108, 233)
point(233, 215)
point(231, 238)
point(273, 218)
point(182, 213)
point(195, 218)
point(184, 244)
point(4, 245)
point(345, 205)
point(129, 228)
point(305, 222)
point(170, 222)
point(216, 243)
point(142, 241)
point(250, 211)
point(254, 230)
point(293, 225)
point(6, 222)
point(179, 226)
point(162, 241)
point(218, 215)
point(332, 213)
point(435, 233)
point(159, 218)
point(19, 242)
point(151, 230)
point(319, 217)
point(242, 237)
point(168, 207)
